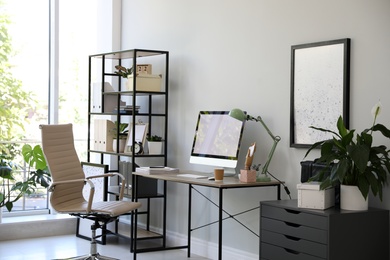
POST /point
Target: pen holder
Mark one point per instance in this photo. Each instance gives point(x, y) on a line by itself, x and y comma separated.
point(248, 175)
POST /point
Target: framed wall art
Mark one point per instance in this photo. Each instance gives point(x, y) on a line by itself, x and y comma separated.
point(319, 89)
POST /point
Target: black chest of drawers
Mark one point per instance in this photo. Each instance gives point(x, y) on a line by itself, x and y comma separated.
point(291, 233)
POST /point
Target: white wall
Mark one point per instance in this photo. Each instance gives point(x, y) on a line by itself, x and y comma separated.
point(226, 54)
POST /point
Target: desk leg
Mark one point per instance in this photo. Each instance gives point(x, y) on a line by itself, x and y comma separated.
point(165, 216)
point(189, 220)
point(279, 195)
point(220, 224)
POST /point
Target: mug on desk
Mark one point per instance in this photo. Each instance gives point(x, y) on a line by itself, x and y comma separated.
point(218, 174)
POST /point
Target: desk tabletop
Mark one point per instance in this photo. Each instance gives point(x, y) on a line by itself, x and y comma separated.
point(228, 182)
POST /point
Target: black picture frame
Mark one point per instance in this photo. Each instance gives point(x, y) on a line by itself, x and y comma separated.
point(320, 79)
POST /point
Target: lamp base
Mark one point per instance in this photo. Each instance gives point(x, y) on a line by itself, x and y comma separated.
point(263, 178)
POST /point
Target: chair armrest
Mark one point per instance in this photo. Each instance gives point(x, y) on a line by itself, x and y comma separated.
point(111, 174)
point(91, 191)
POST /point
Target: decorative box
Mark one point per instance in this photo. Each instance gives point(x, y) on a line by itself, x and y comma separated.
point(144, 82)
point(311, 196)
point(248, 175)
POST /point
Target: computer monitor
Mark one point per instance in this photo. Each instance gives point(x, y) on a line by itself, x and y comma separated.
point(217, 140)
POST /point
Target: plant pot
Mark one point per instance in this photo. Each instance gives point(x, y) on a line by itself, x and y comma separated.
point(352, 199)
point(155, 147)
point(122, 144)
point(1, 215)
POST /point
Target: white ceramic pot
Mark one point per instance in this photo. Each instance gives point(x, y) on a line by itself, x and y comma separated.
point(122, 144)
point(352, 199)
point(1, 215)
point(155, 147)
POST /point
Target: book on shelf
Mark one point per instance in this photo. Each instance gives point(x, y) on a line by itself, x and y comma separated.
point(157, 170)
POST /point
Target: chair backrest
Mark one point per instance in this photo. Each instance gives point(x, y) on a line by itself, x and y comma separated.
point(64, 164)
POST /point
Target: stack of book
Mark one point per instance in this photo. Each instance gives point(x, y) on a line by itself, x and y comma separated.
point(127, 110)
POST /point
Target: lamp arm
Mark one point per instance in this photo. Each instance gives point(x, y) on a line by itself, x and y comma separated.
point(276, 139)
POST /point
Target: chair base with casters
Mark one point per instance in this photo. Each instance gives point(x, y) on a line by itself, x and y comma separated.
point(68, 181)
point(93, 254)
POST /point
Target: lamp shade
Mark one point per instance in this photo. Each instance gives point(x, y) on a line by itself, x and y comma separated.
point(237, 114)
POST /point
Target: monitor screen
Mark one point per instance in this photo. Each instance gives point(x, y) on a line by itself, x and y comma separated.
point(217, 139)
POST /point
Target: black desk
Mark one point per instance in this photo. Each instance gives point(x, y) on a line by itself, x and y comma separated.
point(227, 183)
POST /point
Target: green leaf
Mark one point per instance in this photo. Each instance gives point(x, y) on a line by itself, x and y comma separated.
point(39, 158)
point(359, 155)
point(325, 184)
point(27, 152)
point(325, 130)
point(363, 186)
point(341, 170)
point(315, 145)
point(383, 129)
point(341, 127)
point(347, 139)
point(9, 205)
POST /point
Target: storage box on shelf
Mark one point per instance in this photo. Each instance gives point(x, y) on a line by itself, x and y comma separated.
point(144, 82)
point(311, 196)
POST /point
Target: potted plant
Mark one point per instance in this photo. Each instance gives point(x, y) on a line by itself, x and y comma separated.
point(154, 144)
point(119, 133)
point(11, 189)
point(123, 72)
point(354, 161)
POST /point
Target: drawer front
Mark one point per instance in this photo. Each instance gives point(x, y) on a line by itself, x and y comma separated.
point(271, 252)
point(294, 243)
point(294, 216)
point(295, 230)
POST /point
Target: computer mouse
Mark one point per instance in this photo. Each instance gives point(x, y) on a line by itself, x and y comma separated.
point(211, 178)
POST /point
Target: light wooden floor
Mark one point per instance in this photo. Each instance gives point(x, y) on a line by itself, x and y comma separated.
point(58, 247)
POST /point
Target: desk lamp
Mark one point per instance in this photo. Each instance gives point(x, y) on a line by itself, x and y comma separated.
point(240, 115)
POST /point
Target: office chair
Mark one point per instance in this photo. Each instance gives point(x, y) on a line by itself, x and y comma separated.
point(68, 180)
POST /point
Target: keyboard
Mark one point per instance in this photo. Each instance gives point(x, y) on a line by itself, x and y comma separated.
point(192, 176)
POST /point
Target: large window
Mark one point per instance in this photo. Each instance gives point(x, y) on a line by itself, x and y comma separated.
point(77, 40)
point(29, 34)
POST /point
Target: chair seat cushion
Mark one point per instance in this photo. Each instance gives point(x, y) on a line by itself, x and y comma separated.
point(115, 208)
point(111, 208)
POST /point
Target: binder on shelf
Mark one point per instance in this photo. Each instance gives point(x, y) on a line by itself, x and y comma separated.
point(103, 135)
point(110, 101)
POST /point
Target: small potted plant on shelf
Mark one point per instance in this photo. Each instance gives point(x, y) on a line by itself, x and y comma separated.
point(123, 72)
point(12, 189)
point(354, 162)
point(154, 144)
point(120, 133)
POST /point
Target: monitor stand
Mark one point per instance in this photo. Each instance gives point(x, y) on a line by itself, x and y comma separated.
point(230, 172)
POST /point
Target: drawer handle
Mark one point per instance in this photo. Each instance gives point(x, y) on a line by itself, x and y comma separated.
point(292, 211)
point(292, 238)
point(291, 251)
point(292, 224)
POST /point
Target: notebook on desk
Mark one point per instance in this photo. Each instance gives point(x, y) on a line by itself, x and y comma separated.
point(157, 170)
point(192, 176)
